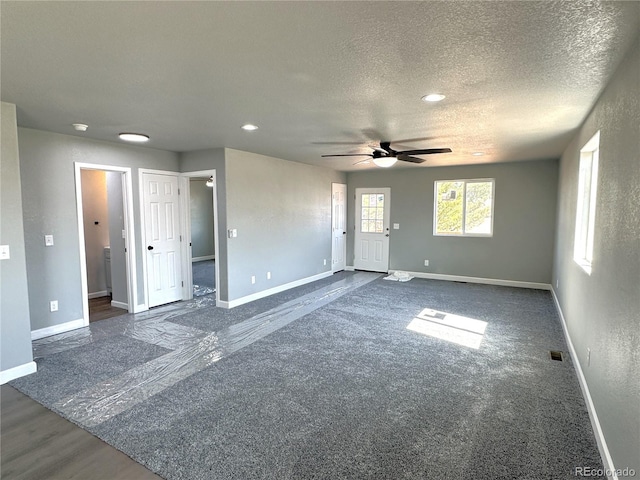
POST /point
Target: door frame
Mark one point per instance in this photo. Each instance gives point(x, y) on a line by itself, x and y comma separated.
point(358, 216)
point(344, 246)
point(187, 266)
point(130, 244)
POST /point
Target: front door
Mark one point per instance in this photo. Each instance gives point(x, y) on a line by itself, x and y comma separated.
point(371, 246)
point(338, 226)
point(162, 236)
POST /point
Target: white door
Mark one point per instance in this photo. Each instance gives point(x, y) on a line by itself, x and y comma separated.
point(162, 236)
point(371, 246)
point(338, 226)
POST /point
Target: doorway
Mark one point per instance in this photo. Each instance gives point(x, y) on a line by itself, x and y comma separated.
point(200, 217)
point(371, 246)
point(202, 238)
point(104, 216)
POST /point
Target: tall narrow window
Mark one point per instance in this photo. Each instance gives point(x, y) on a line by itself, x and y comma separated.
point(586, 209)
point(464, 208)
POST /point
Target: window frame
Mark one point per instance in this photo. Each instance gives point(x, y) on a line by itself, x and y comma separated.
point(464, 207)
point(586, 211)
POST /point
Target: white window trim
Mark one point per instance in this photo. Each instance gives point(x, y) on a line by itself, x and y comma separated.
point(464, 209)
point(583, 241)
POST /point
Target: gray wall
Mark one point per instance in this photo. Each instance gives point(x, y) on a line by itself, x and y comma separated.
point(524, 220)
point(201, 211)
point(15, 338)
point(214, 159)
point(282, 211)
point(116, 242)
point(602, 310)
point(49, 205)
point(96, 237)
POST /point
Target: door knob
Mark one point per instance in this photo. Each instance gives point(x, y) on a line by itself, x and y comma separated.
point(387, 235)
point(150, 247)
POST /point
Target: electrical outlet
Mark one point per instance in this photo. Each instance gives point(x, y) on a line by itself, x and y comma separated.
point(426, 263)
point(53, 305)
point(588, 357)
point(268, 275)
point(253, 279)
point(48, 240)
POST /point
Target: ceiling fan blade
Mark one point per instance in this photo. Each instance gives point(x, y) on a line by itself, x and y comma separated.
point(407, 158)
point(425, 151)
point(350, 155)
point(366, 160)
point(378, 149)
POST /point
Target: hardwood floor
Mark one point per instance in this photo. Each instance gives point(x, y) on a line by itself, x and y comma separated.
point(100, 309)
point(37, 444)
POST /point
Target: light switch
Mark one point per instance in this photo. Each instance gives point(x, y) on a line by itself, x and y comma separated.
point(48, 240)
point(4, 252)
point(396, 226)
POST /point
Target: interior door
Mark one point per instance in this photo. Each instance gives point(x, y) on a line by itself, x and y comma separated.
point(371, 246)
point(162, 234)
point(339, 226)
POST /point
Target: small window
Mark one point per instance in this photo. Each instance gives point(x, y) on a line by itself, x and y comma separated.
point(372, 219)
point(464, 208)
point(586, 209)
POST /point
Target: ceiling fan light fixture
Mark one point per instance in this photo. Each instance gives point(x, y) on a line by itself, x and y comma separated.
point(249, 127)
point(477, 154)
point(433, 97)
point(385, 162)
point(80, 127)
point(134, 137)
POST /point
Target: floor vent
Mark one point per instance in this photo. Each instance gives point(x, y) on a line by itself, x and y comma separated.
point(556, 355)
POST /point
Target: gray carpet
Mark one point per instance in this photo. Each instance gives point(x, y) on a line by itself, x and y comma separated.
point(347, 391)
point(204, 277)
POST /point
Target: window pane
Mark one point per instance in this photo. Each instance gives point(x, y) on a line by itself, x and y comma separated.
point(380, 213)
point(372, 226)
point(365, 200)
point(380, 200)
point(372, 200)
point(478, 208)
point(365, 213)
point(449, 207)
point(364, 226)
point(379, 228)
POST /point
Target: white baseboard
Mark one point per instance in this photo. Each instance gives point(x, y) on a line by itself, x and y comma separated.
point(55, 329)
point(202, 259)
point(271, 291)
point(120, 305)
point(593, 415)
point(485, 281)
point(102, 293)
point(349, 268)
point(17, 372)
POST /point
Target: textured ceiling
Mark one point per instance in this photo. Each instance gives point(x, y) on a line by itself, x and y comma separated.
point(317, 77)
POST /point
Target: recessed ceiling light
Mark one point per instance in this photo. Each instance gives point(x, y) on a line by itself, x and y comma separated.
point(477, 154)
point(433, 97)
point(249, 127)
point(134, 137)
point(80, 127)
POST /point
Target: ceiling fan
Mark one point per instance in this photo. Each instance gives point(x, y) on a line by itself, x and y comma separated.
point(385, 156)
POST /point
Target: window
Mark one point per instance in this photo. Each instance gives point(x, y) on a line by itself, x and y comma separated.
point(464, 208)
point(586, 209)
point(372, 213)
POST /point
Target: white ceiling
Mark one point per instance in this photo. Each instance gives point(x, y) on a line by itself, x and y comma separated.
point(317, 77)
